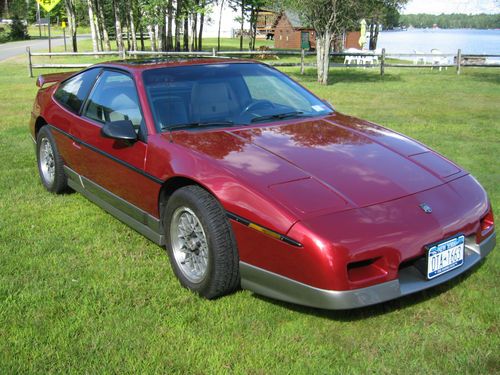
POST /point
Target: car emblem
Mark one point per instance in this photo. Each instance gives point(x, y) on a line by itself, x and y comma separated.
point(426, 208)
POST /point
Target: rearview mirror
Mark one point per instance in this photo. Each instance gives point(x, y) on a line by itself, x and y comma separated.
point(121, 130)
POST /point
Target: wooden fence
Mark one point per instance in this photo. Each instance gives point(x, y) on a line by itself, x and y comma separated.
point(361, 59)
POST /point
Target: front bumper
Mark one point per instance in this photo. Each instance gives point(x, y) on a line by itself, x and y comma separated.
point(410, 281)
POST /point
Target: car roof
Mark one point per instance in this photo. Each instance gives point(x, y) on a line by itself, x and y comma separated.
point(155, 63)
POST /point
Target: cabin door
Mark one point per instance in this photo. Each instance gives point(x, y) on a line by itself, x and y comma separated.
point(304, 40)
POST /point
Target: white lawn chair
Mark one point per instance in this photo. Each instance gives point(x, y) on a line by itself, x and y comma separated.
point(348, 60)
point(438, 60)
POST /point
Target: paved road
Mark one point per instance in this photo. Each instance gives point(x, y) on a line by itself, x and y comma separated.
point(17, 48)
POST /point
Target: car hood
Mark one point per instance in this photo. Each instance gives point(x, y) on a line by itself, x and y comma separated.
point(331, 163)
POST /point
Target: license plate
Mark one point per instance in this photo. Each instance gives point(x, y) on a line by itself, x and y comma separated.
point(445, 256)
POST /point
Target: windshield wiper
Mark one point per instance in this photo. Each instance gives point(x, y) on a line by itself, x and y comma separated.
point(279, 116)
point(199, 124)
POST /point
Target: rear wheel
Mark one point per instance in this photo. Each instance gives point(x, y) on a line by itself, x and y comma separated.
point(200, 243)
point(50, 163)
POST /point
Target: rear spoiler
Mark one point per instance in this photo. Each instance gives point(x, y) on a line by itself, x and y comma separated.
point(52, 78)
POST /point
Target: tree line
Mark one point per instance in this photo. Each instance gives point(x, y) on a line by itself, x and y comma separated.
point(177, 25)
point(451, 21)
point(170, 25)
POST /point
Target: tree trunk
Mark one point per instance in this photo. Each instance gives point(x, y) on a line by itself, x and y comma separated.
point(242, 23)
point(141, 30)
point(6, 8)
point(178, 25)
point(371, 34)
point(220, 20)
point(194, 32)
point(105, 34)
point(254, 17)
point(373, 43)
point(132, 28)
point(164, 44)
point(70, 10)
point(98, 28)
point(127, 22)
point(323, 44)
point(200, 31)
point(170, 16)
point(152, 37)
point(93, 29)
point(118, 26)
point(186, 33)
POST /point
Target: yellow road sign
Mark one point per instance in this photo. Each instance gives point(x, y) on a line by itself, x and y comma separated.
point(48, 5)
point(63, 24)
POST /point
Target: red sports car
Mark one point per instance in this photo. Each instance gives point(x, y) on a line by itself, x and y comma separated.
point(250, 180)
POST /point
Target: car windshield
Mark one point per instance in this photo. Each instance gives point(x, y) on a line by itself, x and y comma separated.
point(226, 94)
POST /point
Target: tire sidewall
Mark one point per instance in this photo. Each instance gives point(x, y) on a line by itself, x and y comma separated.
point(59, 182)
point(183, 198)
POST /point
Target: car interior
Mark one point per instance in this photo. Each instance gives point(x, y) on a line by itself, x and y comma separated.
point(204, 101)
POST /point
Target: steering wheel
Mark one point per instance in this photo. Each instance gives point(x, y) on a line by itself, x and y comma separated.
point(261, 103)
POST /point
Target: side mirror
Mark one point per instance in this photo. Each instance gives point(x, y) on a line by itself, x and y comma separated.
point(122, 130)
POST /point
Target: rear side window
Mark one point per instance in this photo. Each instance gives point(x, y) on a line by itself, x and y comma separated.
point(72, 93)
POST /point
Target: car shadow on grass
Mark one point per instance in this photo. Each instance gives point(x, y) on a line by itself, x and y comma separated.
point(378, 309)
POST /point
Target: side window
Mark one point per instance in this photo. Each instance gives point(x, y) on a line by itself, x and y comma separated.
point(114, 98)
point(275, 90)
point(72, 93)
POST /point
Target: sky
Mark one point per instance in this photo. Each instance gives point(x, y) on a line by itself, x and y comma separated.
point(452, 6)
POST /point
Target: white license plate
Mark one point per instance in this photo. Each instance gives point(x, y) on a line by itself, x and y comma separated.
point(445, 256)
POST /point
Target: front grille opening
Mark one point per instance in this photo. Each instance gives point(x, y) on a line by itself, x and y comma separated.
point(366, 270)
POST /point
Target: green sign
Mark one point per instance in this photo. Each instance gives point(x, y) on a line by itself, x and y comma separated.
point(48, 5)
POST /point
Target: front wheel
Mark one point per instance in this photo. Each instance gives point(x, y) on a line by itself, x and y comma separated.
point(200, 243)
point(50, 163)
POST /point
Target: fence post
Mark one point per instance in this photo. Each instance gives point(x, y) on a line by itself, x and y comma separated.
point(302, 54)
point(30, 65)
point(459, 60)
point(213, 52)
point(382, 62)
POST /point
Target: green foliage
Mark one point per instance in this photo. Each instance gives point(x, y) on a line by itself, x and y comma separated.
point(452, 21)
point(392, 18)
point(18, 30)
point(4, 35)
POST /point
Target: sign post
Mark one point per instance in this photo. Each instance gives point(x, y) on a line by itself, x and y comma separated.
point(48, 5)
point(50, 41)
point(63, 26)
point(38, 19)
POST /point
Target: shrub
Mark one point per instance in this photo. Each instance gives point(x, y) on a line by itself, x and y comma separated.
point(18, 30)
point(4, 35)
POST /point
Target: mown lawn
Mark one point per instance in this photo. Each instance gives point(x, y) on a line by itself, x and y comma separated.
point(82, 293)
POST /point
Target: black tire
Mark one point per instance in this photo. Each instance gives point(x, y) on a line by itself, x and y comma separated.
point(222, 269)
point(58, 183)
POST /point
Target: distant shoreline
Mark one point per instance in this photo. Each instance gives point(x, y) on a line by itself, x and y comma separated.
point(470, 41)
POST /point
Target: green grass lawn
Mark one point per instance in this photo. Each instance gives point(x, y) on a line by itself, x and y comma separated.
point(36, 32)
point(80, 292)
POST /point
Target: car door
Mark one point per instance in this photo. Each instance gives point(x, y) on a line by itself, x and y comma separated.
point(70, 97)
point(115, 168)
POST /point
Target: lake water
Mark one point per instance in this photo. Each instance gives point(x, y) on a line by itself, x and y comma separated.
point(448, 41)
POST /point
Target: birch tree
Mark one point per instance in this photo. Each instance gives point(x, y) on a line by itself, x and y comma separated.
point(71, 13)
point(93, 26)
point(118, 26)
point(328, 18)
